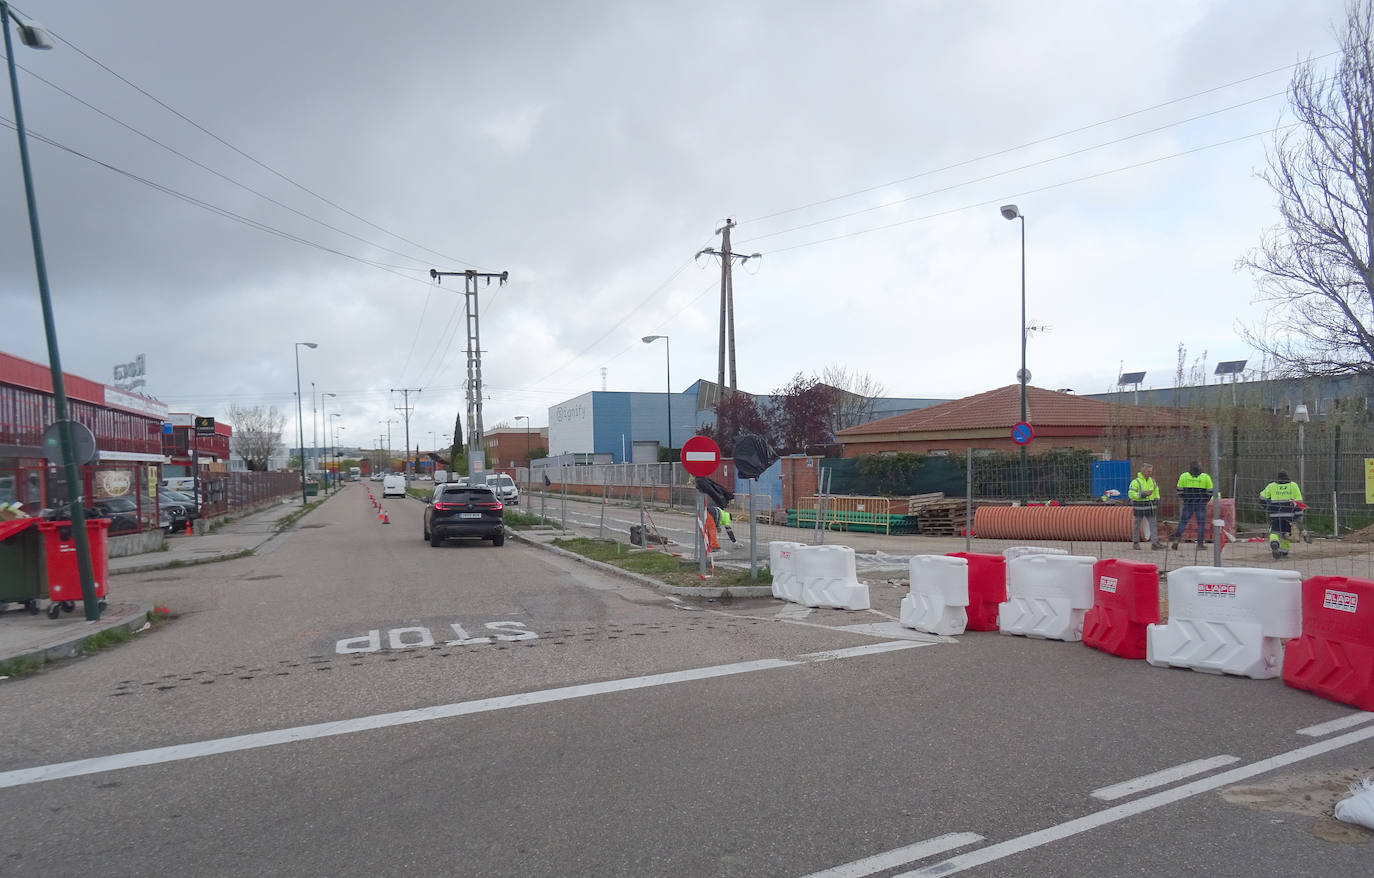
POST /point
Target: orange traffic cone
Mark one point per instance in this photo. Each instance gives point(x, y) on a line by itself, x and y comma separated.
point(386, 519)
point(188, 527)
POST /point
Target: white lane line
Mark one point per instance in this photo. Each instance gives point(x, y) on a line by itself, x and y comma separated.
point(1323, 729)
point(901, 856)
point(793, 611)
point(1030, 840)
point(257, 740)
point(1160, 778)
point(867, 649)
point(894, 629)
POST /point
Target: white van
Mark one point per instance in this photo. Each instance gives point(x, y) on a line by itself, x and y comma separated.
point(393, 485)
point(440, 476)
point(505, 488)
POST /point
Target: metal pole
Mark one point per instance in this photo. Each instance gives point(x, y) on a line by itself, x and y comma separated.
point(601, 528)
point(753, 536)
point(668, 366)
point(1025, 477)
point(968, 499)
point(1302, 454)
point(1217, 521)
point(300, 420)
point(314, 430)
point(700, 522)
point(563, 521)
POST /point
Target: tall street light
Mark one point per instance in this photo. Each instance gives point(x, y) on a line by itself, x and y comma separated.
point(300, 415)
point(332, 430)
point(668, 365)
point(34, 36)
point(1012, 212)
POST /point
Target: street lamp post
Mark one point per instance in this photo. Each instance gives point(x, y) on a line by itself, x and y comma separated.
point(529, 464)
point(332, 437)
point(668, 367)
point(324, 419)
point(300, 415)
point(1012, 212)
point(34, 36)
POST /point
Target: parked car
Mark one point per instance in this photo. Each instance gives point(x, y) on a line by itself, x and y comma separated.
point(464, 511)
point(394, 485)
point(175, 508)
point(121, 511)
point(505, 488)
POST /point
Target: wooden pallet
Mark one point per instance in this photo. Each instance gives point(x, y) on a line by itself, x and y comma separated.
point(943, 518)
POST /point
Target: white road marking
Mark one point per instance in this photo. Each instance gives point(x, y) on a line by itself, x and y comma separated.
point(901, 856)
point(1323, 729)
point(867, 649)
point(793, 611)
point(1030, 840)
point(894, 629)
point(1160, 778)
point(258, 740)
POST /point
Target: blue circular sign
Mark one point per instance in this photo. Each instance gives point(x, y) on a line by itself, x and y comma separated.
point(1021, 433)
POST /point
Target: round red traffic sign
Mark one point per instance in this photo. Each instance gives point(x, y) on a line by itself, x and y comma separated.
point(700, 455)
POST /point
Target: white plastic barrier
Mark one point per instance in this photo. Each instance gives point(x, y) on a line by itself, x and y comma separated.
point(1228, 620)
point(1047, 595)
point(1018, 551)
point(828, 578)
point(938, 596)
point(782, 563)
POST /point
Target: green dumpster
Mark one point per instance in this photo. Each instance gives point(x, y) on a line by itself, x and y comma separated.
point(23, 564)
point(312, 489)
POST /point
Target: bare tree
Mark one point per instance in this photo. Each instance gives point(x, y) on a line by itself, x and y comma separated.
point(257, 434)
point(853, 404)
point(1318, 266)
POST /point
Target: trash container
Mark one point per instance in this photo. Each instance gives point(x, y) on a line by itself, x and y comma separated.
point(64, 573)
point(23, 564)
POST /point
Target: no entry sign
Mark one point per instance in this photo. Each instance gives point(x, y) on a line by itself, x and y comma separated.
point(700, 455)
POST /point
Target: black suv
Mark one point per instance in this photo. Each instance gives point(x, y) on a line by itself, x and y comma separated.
point(464, 511)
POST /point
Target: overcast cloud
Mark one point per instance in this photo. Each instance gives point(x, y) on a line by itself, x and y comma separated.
point(591, 148)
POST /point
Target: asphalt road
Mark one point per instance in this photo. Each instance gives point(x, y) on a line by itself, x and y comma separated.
point(357, 702)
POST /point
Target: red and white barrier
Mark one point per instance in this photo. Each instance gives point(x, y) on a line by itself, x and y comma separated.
point(987, 588)
point(1228, 620)
point(782, 563)
point(1334, 656)
point(828, 578)
point(1125, 602)
point(938, 596)
point(1047, 596)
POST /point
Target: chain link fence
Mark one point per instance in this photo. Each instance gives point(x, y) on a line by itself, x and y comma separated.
point(890, 507)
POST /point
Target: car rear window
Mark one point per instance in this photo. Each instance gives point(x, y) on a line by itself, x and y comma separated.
point(456, 493)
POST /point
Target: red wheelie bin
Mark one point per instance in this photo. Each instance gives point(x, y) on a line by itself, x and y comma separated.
point(64, 575)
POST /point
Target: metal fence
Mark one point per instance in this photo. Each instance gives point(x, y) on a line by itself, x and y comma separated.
point(889, 510)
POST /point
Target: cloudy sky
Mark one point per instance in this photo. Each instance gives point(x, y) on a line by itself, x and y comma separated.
point(217, 182)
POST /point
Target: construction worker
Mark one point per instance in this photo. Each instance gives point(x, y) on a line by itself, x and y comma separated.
point(1144, 496)
point(1194, 490)
point(1282, 501)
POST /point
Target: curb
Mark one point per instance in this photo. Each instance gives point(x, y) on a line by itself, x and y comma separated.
point(695, 591)
point(72, 648)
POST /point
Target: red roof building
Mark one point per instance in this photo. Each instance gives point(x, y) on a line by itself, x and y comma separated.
point(985, 420)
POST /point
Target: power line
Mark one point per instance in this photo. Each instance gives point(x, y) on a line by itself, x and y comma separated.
point(1037, 142)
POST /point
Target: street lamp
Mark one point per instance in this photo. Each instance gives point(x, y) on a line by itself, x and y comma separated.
point(1012, 212)
point(300, 415)
point(325, 419)
point(34, 36)
point(668, 365)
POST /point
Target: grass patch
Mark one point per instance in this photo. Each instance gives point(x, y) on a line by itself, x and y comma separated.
point(660, 565)
point(287, 520)
point(19, 667)
point(520, 520)
point(105, 639)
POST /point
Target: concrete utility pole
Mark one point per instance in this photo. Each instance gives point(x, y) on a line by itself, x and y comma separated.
point(406, 408)
point(388, 422)
point(727, 303)
point(476, 449)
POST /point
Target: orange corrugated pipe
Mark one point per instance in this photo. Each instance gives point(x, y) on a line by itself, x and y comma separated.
point(1105, 523)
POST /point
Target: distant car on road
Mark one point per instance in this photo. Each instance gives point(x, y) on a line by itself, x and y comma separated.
point(394, 486)
point(472, 511)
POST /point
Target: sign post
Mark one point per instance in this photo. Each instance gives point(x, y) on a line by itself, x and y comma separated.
point(700, 457)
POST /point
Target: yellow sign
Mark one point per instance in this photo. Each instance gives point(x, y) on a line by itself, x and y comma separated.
point(1369, 480)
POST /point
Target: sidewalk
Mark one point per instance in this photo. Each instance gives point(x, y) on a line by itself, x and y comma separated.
point(36, 637)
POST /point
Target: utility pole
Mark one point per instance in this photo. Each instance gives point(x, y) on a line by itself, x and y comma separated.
point(407, 408)
point(314, 431)
point(476, 450)
point(727, 304)
point(388, 422)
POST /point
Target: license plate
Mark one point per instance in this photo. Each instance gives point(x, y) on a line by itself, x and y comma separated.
point(469, 515)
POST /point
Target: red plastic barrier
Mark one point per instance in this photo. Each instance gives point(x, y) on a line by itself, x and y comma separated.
point(1334, 657)
point(1125, 600)
point(987, 588)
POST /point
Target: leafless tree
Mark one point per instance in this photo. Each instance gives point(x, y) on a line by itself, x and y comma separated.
point(1317, 268)
point(257, 434)
point(858, 391)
